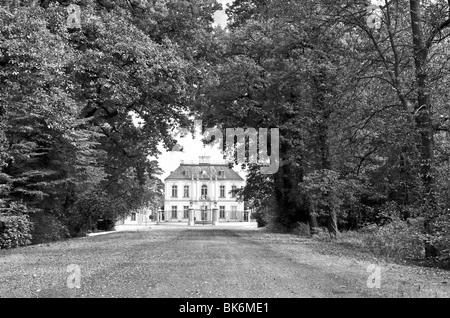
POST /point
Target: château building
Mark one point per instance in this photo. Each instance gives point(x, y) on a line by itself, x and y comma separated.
point(203, 187)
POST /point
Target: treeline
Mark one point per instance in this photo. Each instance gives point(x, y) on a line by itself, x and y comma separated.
point(360, 96)
point(82, 109)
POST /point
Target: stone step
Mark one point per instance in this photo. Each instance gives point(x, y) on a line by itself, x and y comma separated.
point(203, 222)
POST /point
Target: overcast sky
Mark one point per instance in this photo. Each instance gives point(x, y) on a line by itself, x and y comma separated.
point(220, 16)
point(192, 148)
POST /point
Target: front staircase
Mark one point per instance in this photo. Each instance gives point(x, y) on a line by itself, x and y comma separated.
point(203, 222)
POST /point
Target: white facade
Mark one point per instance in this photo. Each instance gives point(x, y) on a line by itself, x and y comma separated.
point(203, 187)
point(141, 217)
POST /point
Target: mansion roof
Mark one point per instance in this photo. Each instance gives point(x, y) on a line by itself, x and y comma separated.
point(204, 171)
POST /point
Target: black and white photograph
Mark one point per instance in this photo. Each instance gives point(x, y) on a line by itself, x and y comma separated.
point(224, 156)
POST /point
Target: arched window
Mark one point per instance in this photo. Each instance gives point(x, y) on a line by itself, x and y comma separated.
point(204, 190)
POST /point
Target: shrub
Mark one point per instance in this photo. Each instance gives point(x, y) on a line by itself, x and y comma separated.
point(265, 215)
point(397, 239)
point(302, 229)
point(259, 219)
point(441, 237)
point(105, 225)
point(47, 228)
point(14, 231)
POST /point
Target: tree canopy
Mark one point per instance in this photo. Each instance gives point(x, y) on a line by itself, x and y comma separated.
point(358, 92)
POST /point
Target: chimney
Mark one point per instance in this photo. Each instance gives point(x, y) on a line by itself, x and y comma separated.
point(204, 159)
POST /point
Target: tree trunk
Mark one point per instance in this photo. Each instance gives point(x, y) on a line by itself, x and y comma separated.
point(424, 123)
point(332, 225)
point(324, 109)
point(313, 224)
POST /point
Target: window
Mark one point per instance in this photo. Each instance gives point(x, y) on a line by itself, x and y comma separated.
point(222, 191)
point(221, 173)
point(204, 190)
point(174, 212)
point(186, 191)
point(186, 212)
point(234, 212)
point(174, 191)
point(222, 212)
point(133, 216)
point(233, 191)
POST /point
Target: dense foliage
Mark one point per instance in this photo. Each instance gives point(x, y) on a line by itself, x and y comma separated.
point(14, 231)
point(361, 108)
point(82, 109)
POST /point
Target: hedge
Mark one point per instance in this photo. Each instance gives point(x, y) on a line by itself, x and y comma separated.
point(14, 231)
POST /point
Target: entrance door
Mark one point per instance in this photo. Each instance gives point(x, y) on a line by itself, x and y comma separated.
point(204, 213)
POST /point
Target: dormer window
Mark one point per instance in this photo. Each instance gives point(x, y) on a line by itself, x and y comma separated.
point(221, 173)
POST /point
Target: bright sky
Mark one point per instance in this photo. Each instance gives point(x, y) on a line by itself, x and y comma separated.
point(192, 149)
point(220, 17)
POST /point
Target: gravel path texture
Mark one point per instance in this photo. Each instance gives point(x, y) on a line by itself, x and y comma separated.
point(206, 261)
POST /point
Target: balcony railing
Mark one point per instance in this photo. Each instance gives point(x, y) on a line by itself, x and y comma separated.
point(204, 198)
point(202, 162)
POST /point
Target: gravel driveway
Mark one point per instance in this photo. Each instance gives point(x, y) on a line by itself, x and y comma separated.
point(231, 262)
